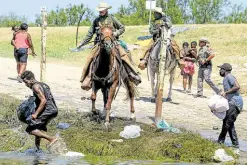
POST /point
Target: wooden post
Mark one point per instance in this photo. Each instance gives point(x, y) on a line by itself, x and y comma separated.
point(43, 45)
point(161, 75)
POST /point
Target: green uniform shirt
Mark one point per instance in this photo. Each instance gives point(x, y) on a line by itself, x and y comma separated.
point(118, 28)
point(154, 28)
point(203, 53)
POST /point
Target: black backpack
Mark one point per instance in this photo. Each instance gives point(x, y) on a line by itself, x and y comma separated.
point(26, 109)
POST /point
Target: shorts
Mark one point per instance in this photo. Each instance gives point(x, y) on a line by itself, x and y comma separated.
point(41, 122)
point(21, 55)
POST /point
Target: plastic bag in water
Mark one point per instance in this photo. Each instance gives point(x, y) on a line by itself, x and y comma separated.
point(63, 125)
point(129, 132)
point(166, 127)
point(26, 109)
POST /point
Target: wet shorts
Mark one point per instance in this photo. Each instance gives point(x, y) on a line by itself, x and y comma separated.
point(41, 122)
point(21, 55)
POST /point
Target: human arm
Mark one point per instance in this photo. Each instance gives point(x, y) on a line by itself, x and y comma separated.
point(89, 35)
point(120, 29)
point(31, 44)
point(13, 40)
point(235, 86)
point(193, 52)
point(154, 30)
point(168, 22)
point(37, 89)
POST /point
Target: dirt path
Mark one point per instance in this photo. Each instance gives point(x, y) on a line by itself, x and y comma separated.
point(64, 82)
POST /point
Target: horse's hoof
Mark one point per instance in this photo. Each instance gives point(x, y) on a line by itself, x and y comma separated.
point(95, 112)
point(108, 126)
point(133, 117)
point(168, 99)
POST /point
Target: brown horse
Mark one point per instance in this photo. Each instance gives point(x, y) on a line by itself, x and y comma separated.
point(108, 73)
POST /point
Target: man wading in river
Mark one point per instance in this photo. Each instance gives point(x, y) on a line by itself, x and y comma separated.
point(46, 108)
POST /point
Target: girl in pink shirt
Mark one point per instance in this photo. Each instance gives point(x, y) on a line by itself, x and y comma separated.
point(22, 42)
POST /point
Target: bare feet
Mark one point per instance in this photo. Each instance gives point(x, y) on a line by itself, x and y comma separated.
point(52, 142)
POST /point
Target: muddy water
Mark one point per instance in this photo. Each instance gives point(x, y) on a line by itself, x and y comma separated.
point(32, 158)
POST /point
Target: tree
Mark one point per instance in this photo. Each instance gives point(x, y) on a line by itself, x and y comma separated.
point(206, 11)
point(11, 19)
point(237, 15)
point(171, 9)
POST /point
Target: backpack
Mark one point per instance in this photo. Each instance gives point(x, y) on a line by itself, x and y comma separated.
point(26, 109)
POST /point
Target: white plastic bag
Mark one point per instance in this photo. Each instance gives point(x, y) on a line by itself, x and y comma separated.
point(221, 105)
point(221, 156)
point(218, 103)
point(132, 131)
point(220, 115)
point(74, 154)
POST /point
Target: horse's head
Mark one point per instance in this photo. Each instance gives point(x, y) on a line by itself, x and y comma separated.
point(106, 37)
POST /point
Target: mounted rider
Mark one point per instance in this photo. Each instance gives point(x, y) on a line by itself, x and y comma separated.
point(155, 29)
point(106, 19)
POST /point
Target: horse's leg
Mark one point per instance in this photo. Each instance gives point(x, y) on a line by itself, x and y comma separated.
point(105, 92)
point(93, 98)
point(111, 94)
point(171, 80)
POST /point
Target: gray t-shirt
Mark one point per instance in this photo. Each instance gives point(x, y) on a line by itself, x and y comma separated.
point(233, 98)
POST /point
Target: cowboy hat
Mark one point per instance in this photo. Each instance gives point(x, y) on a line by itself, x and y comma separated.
point(158, 10)
point(103, 6)
point(203, 39)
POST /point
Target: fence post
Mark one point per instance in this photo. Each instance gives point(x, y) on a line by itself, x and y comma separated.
point(43, 44)
point(161, 75)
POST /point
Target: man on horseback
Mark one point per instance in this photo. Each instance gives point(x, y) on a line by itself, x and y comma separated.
point(155, 30)
point(106, 19)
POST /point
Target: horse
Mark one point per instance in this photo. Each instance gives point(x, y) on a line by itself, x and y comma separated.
point(153, 67)
point(108, 73)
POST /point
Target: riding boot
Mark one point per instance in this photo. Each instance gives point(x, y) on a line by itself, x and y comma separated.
point(144, 60)
point(94, 52)
point(87, 82)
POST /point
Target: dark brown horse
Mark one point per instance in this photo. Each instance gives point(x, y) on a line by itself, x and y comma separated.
point(109, 73)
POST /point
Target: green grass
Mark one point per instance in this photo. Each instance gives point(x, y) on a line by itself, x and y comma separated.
point(228, 41)
point(90, 138)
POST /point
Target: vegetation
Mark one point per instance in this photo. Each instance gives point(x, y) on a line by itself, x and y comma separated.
point(228, 42)
point(90, 138)
point(135, 13)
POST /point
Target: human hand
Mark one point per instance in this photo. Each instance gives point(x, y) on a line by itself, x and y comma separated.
point(34, 54)
point(203, 62)
point(34, 116)
point(223, 94)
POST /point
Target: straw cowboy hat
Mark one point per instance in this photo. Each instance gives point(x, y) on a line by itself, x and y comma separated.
point(203, 39)
point(103, 6)
point(158, 10)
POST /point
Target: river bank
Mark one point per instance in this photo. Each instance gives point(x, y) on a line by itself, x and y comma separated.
point(90, 138)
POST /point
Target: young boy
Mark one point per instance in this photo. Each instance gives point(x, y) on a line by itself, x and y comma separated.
point(46, 108)
point(231, 93)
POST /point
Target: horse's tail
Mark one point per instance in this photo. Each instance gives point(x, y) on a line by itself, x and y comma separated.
point(131, 89)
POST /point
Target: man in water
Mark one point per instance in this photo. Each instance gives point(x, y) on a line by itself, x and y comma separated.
point(46, 108)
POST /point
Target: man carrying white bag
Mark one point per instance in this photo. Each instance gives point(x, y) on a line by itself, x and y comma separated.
point(218, 105)
point(235, 101)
